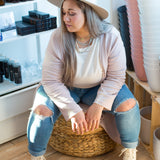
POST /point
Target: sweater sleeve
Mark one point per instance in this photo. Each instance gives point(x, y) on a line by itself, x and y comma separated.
point(51, 79)
point(115, 72)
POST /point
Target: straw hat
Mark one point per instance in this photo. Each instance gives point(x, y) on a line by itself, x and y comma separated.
point(103, 13)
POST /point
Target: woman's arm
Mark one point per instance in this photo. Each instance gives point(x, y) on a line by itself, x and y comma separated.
point(51, 79)
point(116, 68)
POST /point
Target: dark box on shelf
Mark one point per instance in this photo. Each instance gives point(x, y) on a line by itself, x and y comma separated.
point(45, 27)
point(38, 14)
point(25, 28)
point(37, 21)
point(41, 24)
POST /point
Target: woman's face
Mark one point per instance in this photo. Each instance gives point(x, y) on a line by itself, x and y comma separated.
point(73, 17)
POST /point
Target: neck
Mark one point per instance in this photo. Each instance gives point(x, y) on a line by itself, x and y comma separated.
point(83, 36)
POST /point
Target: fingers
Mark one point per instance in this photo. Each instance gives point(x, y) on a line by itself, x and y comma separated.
point(76, 128)
point(79, 123)
point(89, 124)
point(97, 125)
point(85, 126)
point(73, 127)
point(93, 124)
point(80, 128)
point(80, 131)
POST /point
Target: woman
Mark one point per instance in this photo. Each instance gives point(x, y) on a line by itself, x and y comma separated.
point(85, 61)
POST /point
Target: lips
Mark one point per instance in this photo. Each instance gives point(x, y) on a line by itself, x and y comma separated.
point(67, 25)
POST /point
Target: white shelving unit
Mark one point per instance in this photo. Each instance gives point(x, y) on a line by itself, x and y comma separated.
point(7, 86)
point(15, 100)
point(11, 5)
point(18, 37)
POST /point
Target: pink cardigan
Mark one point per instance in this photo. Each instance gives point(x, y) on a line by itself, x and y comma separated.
point(113, 58)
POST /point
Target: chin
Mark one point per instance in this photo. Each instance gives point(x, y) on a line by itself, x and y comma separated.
point(70, 30)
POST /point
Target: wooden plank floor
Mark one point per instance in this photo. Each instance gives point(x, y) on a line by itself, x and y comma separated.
point(17, 150)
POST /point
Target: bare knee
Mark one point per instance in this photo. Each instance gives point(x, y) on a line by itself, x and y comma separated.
point(43, 110)
point(126, 105)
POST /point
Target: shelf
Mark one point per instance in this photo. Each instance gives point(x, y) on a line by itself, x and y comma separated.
point(17, 99)
point(8, 87)
point(19, 37)
point(144, 85)
point(144, 95)
point(11, 5)
point(148, 148)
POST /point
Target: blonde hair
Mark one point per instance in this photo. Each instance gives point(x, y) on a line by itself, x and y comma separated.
point(96, 27)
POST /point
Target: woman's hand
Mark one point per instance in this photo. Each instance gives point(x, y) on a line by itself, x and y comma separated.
point(93, 116)
point(79, 123)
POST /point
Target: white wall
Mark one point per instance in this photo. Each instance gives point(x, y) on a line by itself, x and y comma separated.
point(111, 6)
point(107, 5)
point(114, 14)
point(47, 7)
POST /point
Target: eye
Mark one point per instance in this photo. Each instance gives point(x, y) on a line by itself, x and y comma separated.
point(63, 13)
point(72, 14)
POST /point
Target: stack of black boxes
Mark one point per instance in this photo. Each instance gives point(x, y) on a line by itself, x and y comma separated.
point(10, 70)
point(36, 21)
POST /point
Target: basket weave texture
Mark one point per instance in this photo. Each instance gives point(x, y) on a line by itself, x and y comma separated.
point(90, 144)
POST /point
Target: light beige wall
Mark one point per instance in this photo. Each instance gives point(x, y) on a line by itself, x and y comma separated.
point(114, 14)
point(111, 6)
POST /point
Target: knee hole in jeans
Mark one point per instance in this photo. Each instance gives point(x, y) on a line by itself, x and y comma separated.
point(126, 105)
point(43, 110)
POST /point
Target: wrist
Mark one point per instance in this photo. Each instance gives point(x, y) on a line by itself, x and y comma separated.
point(99, 106)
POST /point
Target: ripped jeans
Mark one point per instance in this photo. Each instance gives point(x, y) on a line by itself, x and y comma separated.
point(39, 128)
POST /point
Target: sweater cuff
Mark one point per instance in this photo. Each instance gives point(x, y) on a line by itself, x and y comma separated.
point(105, 102)
point(69, 114)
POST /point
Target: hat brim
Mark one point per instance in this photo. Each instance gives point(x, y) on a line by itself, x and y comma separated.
point(99, 10)
point(103, 13)
point(56, 2)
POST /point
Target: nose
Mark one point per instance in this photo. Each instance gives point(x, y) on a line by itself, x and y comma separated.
point(66, 18)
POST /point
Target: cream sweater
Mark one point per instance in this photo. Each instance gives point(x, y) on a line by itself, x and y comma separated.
point(113, 61)
point(89, 70)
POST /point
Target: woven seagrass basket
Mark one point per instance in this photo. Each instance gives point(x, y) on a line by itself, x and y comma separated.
point(90, 144)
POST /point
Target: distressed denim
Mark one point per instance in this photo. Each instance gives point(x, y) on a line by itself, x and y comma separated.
point(39, 128)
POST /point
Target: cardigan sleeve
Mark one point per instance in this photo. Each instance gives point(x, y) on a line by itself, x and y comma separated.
point(51, 79)
point(115, 69)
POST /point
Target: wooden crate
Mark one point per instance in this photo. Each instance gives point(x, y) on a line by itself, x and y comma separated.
point(145, 97)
